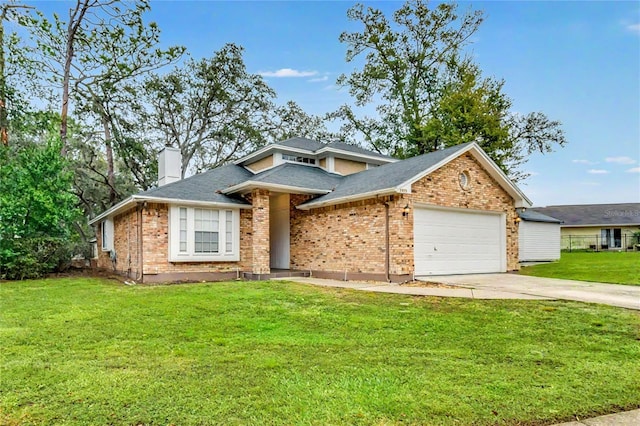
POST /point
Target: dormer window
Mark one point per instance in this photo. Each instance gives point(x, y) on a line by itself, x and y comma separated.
point(298, 159)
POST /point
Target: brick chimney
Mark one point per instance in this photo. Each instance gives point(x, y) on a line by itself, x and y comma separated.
point(169, 165)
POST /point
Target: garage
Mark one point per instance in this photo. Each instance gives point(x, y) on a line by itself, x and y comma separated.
point(458, 241)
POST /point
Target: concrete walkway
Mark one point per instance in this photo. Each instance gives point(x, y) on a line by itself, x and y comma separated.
point(382, 287)
point(624, 296)
point(628, 418)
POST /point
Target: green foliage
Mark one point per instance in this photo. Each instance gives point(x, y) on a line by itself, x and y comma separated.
point(428, 95)
point(36, 210)
point(277, 353)
point(212, 108)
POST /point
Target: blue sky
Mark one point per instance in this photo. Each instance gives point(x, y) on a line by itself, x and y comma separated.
point(579, 62)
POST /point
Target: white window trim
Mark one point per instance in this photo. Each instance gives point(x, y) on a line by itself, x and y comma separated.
point(190, 255)
point(106, 229)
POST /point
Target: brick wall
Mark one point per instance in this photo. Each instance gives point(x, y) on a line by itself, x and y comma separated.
point(348, 237)
point(261, 259)
point(351, 237)
point(125, 244)
point(442, 188)
point(155, 219)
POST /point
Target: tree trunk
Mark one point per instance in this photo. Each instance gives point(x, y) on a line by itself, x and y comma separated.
point(111, 177)
point(75, 20)
point(4, 137)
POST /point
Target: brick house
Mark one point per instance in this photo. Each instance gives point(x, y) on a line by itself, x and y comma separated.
point(331, 210)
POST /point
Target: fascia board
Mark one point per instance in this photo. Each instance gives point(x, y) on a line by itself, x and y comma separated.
point(355, 155)
point(129, 202)
point(251, 184)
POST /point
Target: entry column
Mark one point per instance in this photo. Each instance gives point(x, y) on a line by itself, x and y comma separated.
point(261, 258)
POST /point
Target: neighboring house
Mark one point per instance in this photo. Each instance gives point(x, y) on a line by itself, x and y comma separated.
point(539, 237)
point(597, 226)
point(335, 211)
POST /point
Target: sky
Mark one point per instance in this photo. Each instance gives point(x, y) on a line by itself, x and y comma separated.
point(578, 62)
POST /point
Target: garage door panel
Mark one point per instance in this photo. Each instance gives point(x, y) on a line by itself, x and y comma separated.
point(458, 242)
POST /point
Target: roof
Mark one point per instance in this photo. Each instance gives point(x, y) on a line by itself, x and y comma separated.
point(201, 189)
point(315, 148)
point(594, 214)
point(218, 186)
point(531, 215)
point(386, 177)
point(290, 176)
point(397, 177)
point(204, 186)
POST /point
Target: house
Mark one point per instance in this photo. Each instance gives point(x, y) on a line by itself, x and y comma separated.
point(597, 226)
point(334, 211)
point(538, 237)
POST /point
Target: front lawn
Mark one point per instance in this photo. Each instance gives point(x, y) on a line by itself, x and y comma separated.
point(604, 267)
point(88, 351)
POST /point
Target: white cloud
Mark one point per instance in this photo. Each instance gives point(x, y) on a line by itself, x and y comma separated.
point(319, 79)
point(598, 172)
point(620, 160)
point(288, 72)
point(587, 162)
point(634, 170)
point(634, 28)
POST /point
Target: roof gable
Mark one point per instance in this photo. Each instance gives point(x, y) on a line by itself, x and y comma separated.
point(399, 176)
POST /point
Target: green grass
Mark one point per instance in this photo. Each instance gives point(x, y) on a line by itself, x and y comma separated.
point(80, 351)
point(604, 267)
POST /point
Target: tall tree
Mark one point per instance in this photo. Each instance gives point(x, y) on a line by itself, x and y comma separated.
point(290, 120)
point(413, 67)
point(17, 64)
point(212, 109)
point(97, 56)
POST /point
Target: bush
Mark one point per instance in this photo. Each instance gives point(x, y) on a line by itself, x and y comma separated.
point(34, 257)
point(36, 211)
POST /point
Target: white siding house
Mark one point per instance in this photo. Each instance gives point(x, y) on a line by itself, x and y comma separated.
point(538, 237)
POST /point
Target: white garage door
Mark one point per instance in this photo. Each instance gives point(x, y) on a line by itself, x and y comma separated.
point(458, 242)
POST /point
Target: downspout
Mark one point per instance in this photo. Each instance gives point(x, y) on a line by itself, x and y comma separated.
point(386, 242)
point(140, 206)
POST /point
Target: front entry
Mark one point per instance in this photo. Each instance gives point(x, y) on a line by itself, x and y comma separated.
point(279, 230)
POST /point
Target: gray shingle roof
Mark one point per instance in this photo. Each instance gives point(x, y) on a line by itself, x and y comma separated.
point(533, 216)
point(314, 146)
point(203, 186)
point(356, 149)
point(594, 214)
point(299, 176)
point(387, 176)
point(301, 143)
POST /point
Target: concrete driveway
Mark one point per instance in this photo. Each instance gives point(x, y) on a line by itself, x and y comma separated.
point(624, 296)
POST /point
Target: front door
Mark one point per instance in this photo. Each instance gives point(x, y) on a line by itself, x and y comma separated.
point(279, 230)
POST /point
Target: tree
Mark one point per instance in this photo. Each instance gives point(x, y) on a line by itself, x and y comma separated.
point(212, 109)
point(36, 209)
point(14, 66)
point(428, 95)
point(289, 120)
point(97, 56)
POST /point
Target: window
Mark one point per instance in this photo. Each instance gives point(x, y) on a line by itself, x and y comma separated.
point(298, 159)
point(202, 234)
point(206, 230)
point(463, 179)
point(106, 234)
point(610, 238)
point(183, 230)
